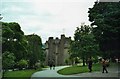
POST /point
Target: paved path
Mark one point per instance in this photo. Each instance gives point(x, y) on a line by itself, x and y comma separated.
point(50, 73)
point(113, 72)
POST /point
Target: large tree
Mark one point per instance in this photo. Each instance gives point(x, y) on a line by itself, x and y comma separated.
point(106, 16)
point(28, 48)
point(13, 40)
point(36, 53)
point(84, 44)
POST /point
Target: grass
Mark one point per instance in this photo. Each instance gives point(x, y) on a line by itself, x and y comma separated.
point(21, 74)
point(78, 69)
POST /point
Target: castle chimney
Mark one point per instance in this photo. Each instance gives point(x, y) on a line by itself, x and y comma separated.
point(62, 36)
point(50, 38)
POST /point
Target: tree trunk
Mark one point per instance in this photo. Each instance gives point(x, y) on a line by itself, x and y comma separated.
point(83, 61)
point(86, 61)
point(3, 73)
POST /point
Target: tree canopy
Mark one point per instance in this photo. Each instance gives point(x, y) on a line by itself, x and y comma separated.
point(106, 16)
point(35, 49)
point(14, 40)
point(84, 44)
point(24, 47)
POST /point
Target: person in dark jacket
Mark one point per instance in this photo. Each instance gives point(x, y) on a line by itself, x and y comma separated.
point(53, 63)
point(50, 64)
point(90, 64)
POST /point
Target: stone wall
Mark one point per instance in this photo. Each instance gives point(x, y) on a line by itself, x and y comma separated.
point(57, 50)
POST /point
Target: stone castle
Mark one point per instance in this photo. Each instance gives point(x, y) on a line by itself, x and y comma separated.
point(57, 49)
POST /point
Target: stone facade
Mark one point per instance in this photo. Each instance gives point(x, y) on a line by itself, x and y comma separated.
point(57, 49)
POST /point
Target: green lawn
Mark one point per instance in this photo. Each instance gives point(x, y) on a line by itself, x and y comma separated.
point(21, 74)
point(78, 69)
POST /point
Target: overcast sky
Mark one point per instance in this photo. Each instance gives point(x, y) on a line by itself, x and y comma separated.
point(47, 18)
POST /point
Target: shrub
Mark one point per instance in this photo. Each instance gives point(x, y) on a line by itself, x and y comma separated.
point(66, 61)
point(37, 65)
point(8, 60)
point(22, 64)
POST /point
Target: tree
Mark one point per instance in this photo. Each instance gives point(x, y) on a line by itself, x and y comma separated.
point(14, 40)
point(27, 47)
point(73, 51)
point(84, 44)
point(106, 16)
point(35, 49)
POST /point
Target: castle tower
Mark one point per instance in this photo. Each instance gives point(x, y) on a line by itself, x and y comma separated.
point(57, 49)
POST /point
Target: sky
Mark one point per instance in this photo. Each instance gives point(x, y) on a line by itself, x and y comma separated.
point(47, 18)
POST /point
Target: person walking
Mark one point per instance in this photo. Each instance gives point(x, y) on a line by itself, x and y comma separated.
point(53, 61)
point(90, 64)
point(50, 64)
point(104, 65)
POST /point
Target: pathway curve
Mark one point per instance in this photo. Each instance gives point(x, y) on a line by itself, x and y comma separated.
point(50, 73)
point(113, 72)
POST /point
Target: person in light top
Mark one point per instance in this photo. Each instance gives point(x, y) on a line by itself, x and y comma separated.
point(104, 63)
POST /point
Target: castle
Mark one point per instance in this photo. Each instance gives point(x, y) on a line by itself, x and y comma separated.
point(57, 49)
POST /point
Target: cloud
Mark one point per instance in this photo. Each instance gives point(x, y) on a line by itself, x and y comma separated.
point(47, 1)
point(47, 17)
